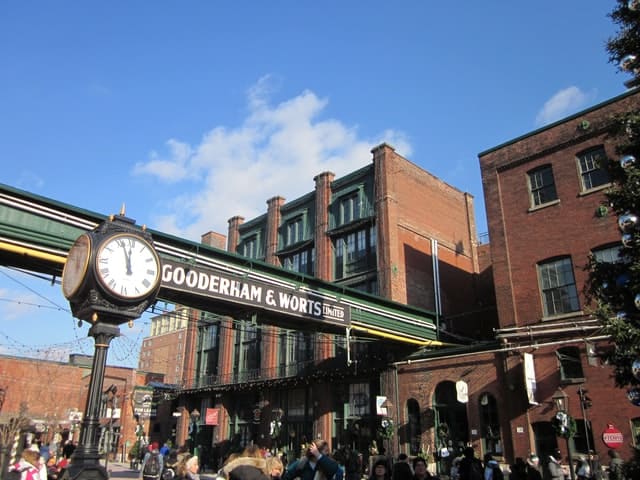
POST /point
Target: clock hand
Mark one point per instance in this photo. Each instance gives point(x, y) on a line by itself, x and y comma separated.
point(127, 258)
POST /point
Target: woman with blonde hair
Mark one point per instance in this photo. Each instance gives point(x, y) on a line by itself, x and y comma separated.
point(28, 466)
point(191, 469)
point(250, 465)
point(275, 468)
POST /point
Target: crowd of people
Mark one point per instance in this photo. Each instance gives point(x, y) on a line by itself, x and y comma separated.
point(317, 462)
point(43, 462)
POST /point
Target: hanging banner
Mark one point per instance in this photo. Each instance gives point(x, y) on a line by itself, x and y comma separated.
point(380, 410)
point(530, 378)
point(462, 391)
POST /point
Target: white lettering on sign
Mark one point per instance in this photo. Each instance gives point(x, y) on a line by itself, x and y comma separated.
point(612, 437)
point(248, 291)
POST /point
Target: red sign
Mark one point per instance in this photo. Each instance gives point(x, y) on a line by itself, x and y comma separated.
point(612, 437)
point(211, 416)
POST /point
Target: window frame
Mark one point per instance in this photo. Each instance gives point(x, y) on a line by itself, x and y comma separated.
point(589, 169)
point(570, 365)
point(542, 192)
point(564, 292)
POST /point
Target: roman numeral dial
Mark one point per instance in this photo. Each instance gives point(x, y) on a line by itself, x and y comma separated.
point(127, 266)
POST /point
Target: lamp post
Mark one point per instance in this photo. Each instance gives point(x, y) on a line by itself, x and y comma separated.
point(195, 417)
point(561, 401)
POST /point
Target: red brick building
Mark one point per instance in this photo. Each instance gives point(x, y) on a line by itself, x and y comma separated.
point(53, 396)
point(390, 229)
point(547, 213)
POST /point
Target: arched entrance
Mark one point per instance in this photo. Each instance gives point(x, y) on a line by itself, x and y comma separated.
point(451, 424)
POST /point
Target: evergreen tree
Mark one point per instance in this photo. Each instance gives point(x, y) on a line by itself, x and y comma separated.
point(624, 48)
point(615, 287)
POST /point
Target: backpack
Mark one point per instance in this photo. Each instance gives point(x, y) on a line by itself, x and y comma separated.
point(497, 473)
point(476, 472)
point(168, 473)
point(152, 467)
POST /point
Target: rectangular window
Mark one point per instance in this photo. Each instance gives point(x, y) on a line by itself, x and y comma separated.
point(250, 248)
point(294, 231)
point(349, 208)
point(558, 285)
point(542, 186)
point(570, 364)
point(608, 254)
point(299, 262)
point(593, 170)
point(355, 253)
point(359, 399)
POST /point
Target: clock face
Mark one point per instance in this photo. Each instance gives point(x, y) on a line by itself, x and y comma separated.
point(127, 266)
point(75, 268)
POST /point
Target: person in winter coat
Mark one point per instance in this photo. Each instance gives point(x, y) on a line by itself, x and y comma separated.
point(492, 470)
point(315, 460)
point(29, 465)
point(192, 467)
point(615, 466)
point(250, 465)
point(533, 468)
point(471, 467)
point(583, 469)
point(554, 469)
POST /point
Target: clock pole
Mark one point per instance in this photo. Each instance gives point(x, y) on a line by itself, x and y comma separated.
point(118, 253)
point(85, 462)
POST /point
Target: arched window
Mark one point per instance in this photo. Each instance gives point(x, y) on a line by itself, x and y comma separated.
point(414, 427)
point(490, 425)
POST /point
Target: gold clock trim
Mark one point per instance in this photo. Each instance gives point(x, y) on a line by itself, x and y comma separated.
point(85, 267)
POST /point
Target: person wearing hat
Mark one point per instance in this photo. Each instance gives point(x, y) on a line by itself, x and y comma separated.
point(554, 469)
point(533, 468)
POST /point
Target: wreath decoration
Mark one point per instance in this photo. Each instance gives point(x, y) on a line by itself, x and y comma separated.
point(564, 425)
point(442, 431)
point(274, 428)
point(386, 428)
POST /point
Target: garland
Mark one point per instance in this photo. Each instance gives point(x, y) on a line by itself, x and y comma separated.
point(443, 431)
point(564, 425)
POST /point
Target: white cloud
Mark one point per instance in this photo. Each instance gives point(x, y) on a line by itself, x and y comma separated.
point(563, 103)
point(277, 150)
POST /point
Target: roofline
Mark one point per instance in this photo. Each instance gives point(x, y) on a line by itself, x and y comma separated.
point(561, 121)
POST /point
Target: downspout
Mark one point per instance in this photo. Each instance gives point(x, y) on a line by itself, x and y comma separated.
point(397, 404)
point(436, 283)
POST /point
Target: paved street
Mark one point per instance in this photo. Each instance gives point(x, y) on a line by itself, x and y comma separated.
point(122, 470)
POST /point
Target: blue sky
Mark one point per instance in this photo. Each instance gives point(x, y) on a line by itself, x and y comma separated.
point(193, 112)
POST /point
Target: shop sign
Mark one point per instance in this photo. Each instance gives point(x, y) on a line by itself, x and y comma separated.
point(210, 283)
point(612, 437)
point(211, 416)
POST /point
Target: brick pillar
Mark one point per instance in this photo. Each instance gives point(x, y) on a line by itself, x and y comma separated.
point(322, 411)
point(324, 252)
point(273, 223)
point(214, 239)
point(386, 218)
point(234, 233)
point(191, 341)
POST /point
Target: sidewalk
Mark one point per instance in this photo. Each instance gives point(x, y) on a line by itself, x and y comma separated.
point(122, 470)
